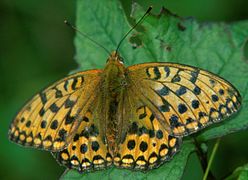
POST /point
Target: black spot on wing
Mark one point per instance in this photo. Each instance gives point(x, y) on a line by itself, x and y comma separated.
point(22, 120)
point(42, 111)
point(163, 91)
point(43, 97)
point(142, 130)
point(54, 124)
point(28, 123)
point(76, 137)
point(74, 83)
point(83, 148)
point(182, 108)
point(176, 78)
point(157, 73)
point(151, 133)
point(194, 76)
point(152, 117)
point(182, 90)
point(43, 124)
point(54, 108)
point(212, 82)
point(189, 120)
point(201, 114)
point(195, 104)
point(148, 73)
point(143, 115)
point(167, 71)
point(48, 138)
point(69, 103)
point(85, 119)
point(143, 146)
point(215, 98)
point(196, 90)
point(62, 134)
point(159, 134)
point(221, 92)
point(95, 146)
point(58, 93)
point(69, 119)
point(174, 121)
point(165, 107)
point(66, 85)
point(131, 144)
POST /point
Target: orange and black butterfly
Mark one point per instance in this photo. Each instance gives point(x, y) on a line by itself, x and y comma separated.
point(130, 117)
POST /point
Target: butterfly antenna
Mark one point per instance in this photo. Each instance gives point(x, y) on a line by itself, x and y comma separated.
point(85, 35)
point(140, 20)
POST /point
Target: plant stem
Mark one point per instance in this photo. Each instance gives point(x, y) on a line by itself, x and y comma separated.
point(211, 158)
point(201, 155)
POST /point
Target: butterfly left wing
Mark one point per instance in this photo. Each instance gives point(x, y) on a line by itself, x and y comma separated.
point(188, 98)
point(50, 119)
point(88, 149)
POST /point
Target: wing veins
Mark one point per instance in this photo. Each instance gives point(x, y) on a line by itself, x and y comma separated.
point(154, 106)
point(208, 85)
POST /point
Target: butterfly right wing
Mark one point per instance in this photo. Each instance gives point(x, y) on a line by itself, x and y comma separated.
point(145, 143)
point(51, 118)
point(188, 98)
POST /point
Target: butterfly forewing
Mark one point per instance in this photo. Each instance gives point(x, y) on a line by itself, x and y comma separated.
point(188, 98)
point(50, 119)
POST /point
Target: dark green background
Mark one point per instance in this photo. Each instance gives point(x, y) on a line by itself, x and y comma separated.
point(37, 49)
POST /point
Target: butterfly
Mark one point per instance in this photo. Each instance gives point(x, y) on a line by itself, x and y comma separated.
point(131, 117)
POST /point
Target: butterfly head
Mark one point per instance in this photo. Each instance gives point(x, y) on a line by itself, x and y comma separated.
point(115, 58)
point(114, 67)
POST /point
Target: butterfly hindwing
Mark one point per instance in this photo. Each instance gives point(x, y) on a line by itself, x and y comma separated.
point(145, 142)
point(188, 98)
point(88, 149)
point(50, 119)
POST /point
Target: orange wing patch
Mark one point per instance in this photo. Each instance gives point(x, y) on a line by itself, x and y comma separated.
point(88, 150)
point(50, 120)
point(189, 98)
point(146, 147)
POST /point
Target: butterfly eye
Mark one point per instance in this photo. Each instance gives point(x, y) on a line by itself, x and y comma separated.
point(121, 60)
point(123, 83)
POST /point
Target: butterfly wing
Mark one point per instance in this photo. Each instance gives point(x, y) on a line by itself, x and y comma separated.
point(163, 102)
point(88, 149)
point(51, 118)
point(145, 142)
point(185, 98)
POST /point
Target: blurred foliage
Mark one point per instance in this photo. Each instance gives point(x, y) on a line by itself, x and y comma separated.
point(241, 173)
point(37, 49)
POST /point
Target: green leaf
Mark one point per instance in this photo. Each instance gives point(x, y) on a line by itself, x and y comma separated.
point(241, 173)
point(216, 47)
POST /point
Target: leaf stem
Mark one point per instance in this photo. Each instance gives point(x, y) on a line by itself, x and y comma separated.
point(211, 158)
point(201, 155)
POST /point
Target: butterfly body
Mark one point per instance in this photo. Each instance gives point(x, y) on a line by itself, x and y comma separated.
point(113, 86)
point(131, 117)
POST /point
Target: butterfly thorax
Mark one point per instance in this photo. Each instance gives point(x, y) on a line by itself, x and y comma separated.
point(113, 87)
